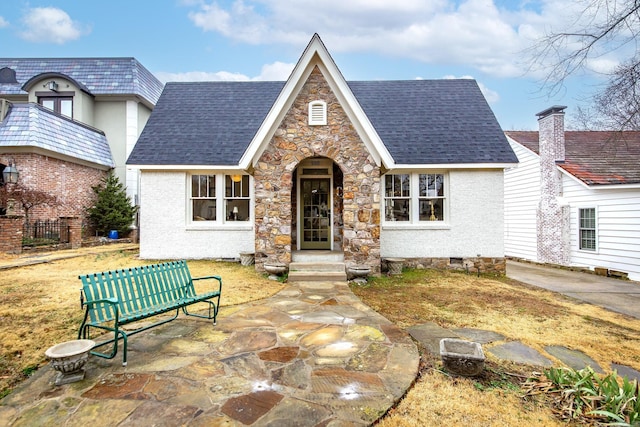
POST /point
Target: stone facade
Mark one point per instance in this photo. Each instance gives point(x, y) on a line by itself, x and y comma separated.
point(275, 172)
point(485, 265)
point(553, 217)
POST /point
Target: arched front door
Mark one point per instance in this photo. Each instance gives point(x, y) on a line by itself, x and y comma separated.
point(315, 207)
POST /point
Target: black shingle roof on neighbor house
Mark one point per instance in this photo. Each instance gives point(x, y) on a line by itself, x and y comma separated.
point(419, 121)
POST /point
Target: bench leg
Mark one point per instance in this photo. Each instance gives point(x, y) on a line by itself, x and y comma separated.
point(118, 334)
point(213, 312)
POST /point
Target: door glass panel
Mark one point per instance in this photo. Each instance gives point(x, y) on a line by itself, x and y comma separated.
point(316, 214)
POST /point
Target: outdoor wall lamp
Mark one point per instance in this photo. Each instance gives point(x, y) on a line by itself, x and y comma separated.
point(10, 173)
point(52, 86)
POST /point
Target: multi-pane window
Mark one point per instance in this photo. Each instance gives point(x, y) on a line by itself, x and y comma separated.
point(397, 197)
point(237, 200)
point(431, 197)
point(416, 197)
point(203, 197)
point(59, 104)
point(587, 229)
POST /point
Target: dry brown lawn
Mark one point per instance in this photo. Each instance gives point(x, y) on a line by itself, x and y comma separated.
point(531, 315)
point(40, 304)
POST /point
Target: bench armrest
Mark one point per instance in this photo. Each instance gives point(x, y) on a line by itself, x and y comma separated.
point(218, 278)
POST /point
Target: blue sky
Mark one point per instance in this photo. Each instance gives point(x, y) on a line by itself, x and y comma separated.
point(190, 40)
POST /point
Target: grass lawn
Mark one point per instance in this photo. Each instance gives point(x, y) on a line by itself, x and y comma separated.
point(39, 306)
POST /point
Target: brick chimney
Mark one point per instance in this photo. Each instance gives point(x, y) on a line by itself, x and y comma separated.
point(553, 215)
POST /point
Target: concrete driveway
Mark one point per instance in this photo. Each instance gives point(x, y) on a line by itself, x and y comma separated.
point(613, 294)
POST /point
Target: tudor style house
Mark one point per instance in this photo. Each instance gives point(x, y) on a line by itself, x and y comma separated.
point(368, 169)
point(65, 122)
point(574, 198)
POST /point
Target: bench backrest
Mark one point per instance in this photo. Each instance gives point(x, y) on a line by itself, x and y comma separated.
point(136, 288)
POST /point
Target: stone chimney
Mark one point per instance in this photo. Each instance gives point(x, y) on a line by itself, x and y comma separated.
point(553, 215)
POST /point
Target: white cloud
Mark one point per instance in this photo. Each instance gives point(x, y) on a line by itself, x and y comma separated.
point(277, 71)
point(3, 22)
point(475, 33)
point(50, 25)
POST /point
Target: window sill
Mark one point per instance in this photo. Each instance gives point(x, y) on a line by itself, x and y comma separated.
point(412, 226)
point(213, 226)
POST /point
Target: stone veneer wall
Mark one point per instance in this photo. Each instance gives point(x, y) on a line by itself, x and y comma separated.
point(487, 265)
point(295, 140)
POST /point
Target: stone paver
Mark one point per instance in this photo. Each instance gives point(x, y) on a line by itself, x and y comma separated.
point(479, 335)
point(573, 358)
point(310, 355)
point(519, 353)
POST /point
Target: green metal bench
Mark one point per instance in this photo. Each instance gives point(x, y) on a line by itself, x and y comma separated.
point(116, 298)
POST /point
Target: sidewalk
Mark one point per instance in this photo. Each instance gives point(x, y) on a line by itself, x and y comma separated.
point(32, 258)
point(613, 294)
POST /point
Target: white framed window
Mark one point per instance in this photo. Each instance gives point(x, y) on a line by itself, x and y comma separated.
point(218, 199)
point(397, 197)
point(431, 196)
point(203, 198)
point(236, 198)
point(587, 229)
point(414, 198)
point(317, 113)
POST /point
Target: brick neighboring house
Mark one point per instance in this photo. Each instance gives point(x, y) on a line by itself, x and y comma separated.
point(372, 170)
point(574, 198)
point(67, 121)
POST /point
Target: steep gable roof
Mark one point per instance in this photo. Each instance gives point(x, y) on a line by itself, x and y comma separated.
point(98, 76)
point(33, 126)
point(434, 121)
point(594, 157)
point(402, 123)
point(204, 123)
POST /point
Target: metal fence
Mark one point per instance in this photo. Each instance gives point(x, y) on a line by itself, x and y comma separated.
point(47, 232)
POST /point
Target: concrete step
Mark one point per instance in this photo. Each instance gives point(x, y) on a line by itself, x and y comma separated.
point(317, 256)
point(317, 271)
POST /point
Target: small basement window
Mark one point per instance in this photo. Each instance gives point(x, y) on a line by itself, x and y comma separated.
point(317, 113)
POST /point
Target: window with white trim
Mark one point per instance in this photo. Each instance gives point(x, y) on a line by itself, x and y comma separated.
point(431, 197)
point(397, 197)
point(236, 198)
point(203, 198)
point(317, 113)
point(587, 229)
point(414, 197)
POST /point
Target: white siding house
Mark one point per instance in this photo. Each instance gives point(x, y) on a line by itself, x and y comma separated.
point(586, 203)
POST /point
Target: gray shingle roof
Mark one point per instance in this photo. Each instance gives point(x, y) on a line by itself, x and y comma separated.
point(99, 76)
point(31, 125)
point(204, 123)
point(419, 121)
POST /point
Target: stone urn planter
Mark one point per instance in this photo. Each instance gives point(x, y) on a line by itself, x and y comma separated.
point(247, 258)
point(69, 358)
point(358, 273)
point(462, 357)
point(275, 269)
point(395, 265)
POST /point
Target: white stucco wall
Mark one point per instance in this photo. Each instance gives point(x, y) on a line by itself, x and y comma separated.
point(165, 232)
point(475, 226)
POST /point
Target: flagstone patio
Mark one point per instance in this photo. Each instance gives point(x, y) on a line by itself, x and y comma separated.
point(313, 355)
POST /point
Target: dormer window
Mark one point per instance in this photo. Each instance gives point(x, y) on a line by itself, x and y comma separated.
point(60, 104)
point(317, 113)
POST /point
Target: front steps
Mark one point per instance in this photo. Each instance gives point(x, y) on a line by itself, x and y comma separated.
point(317, 266)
